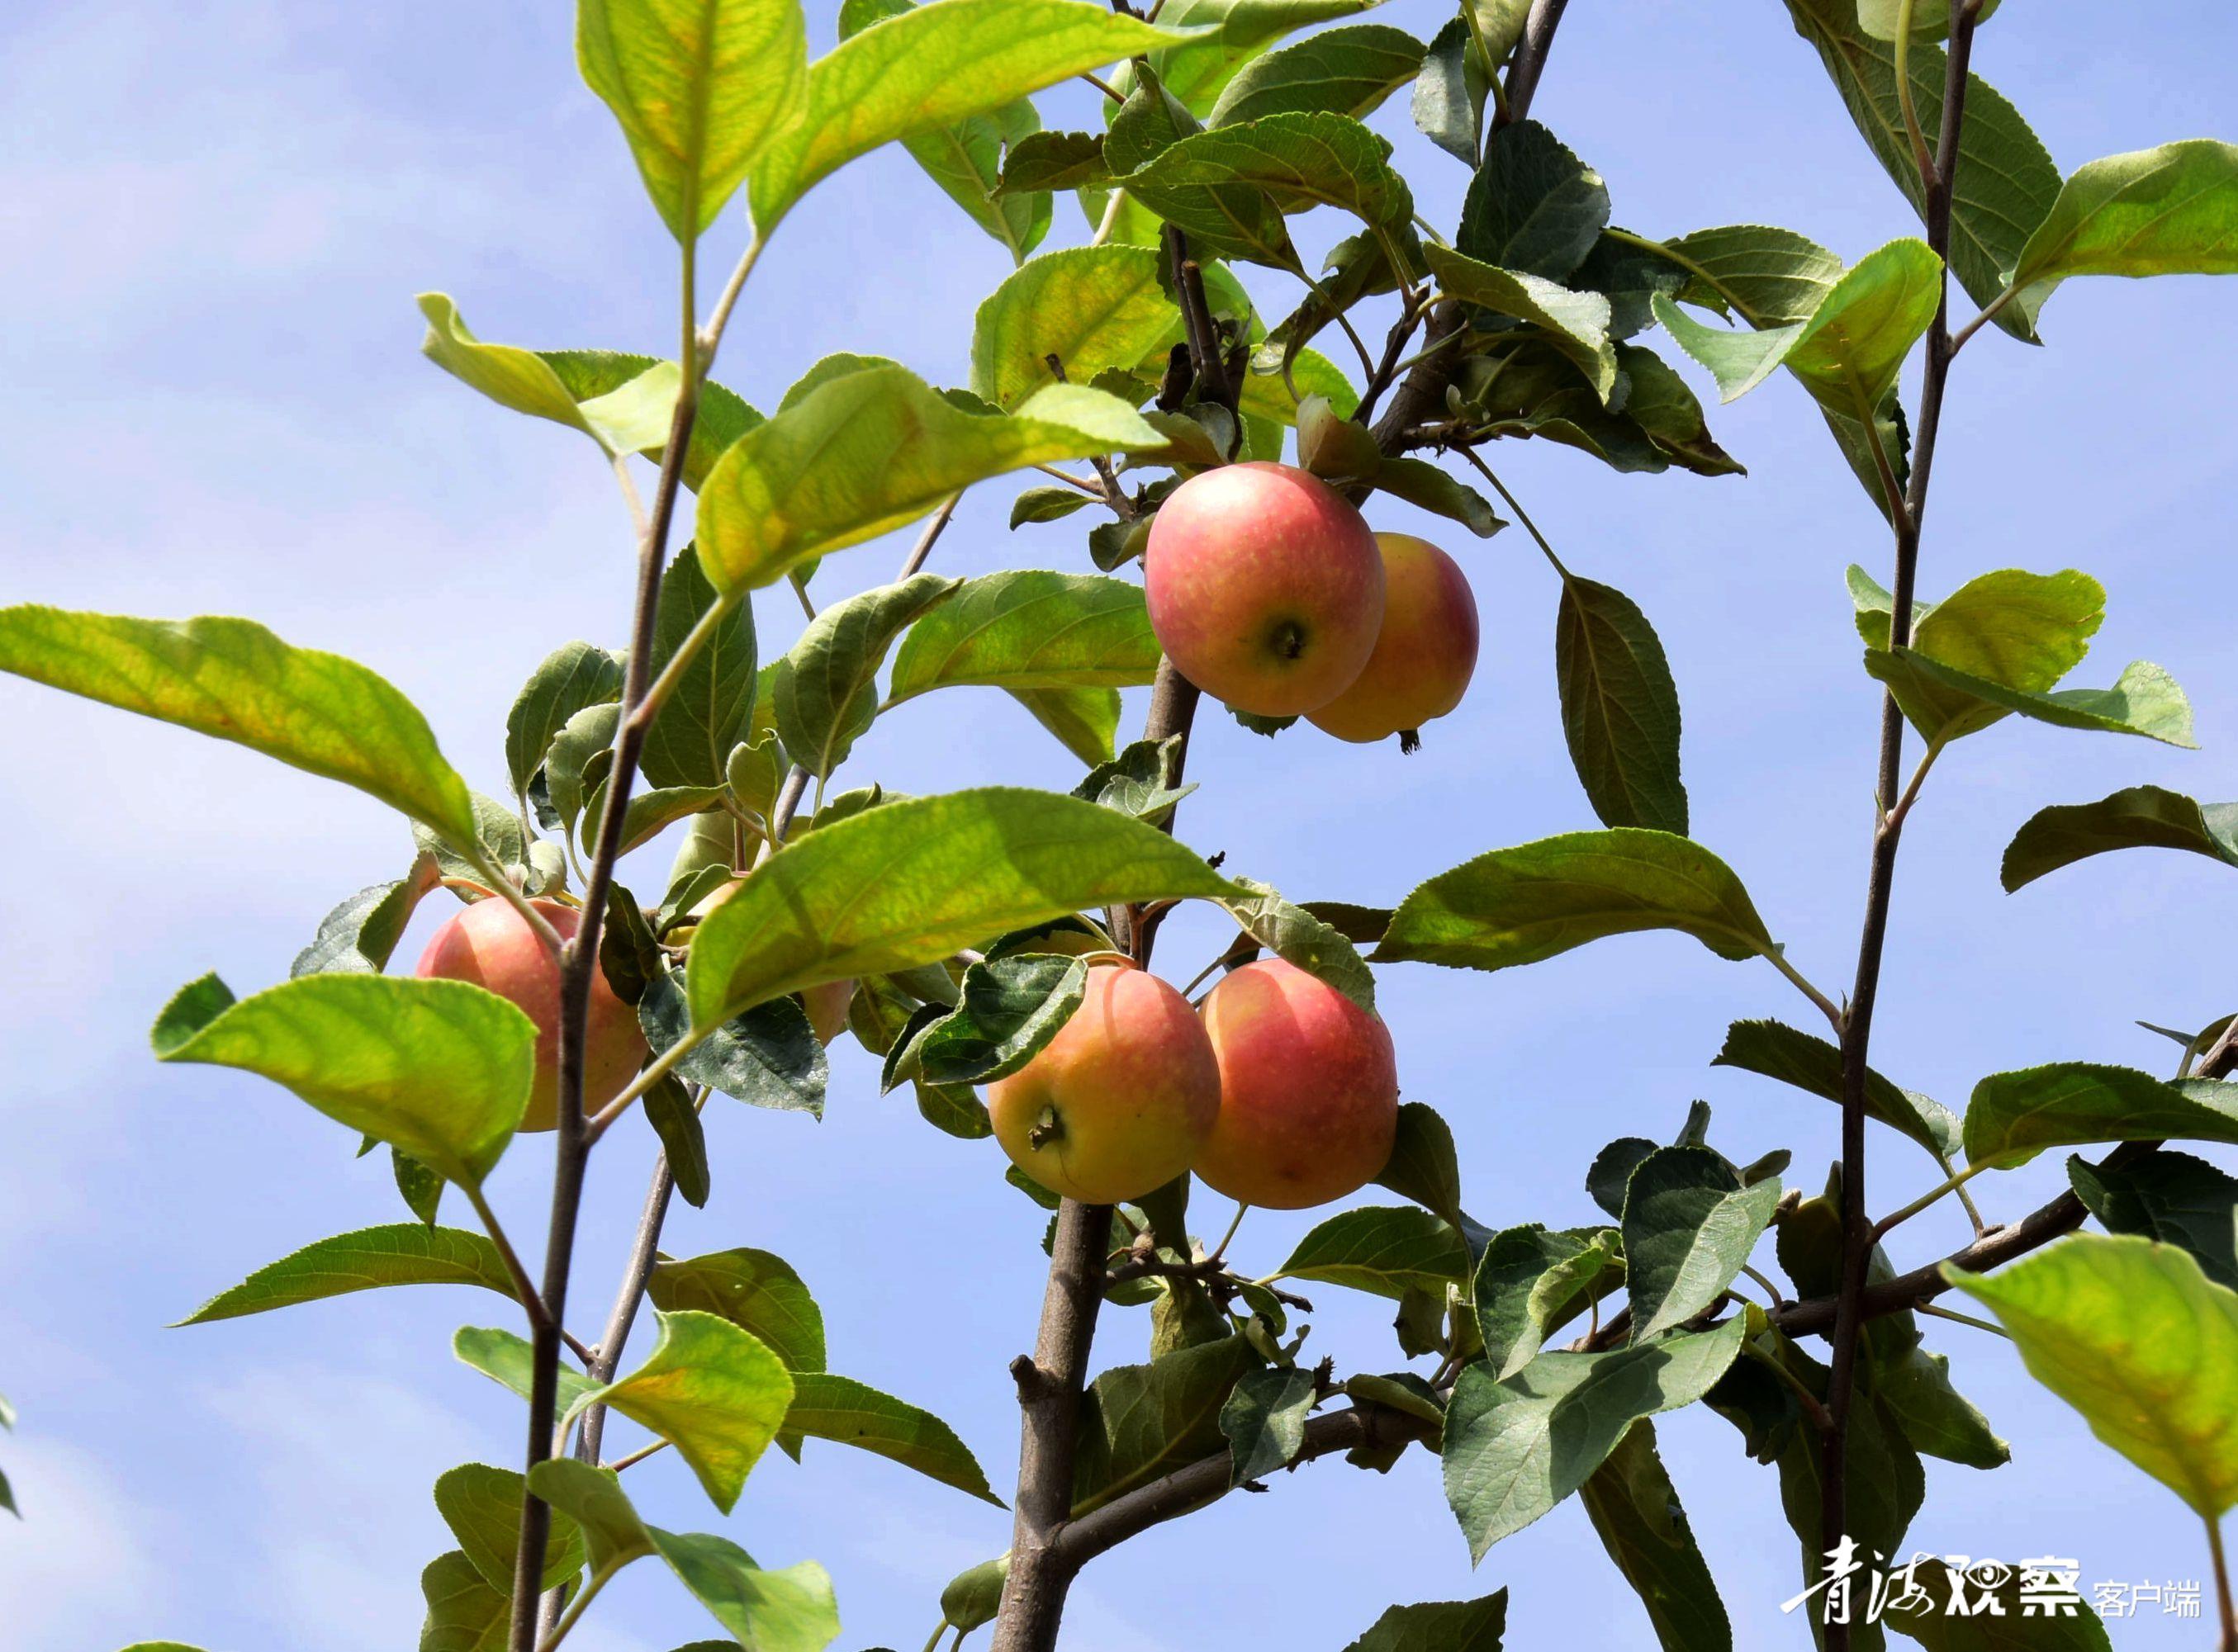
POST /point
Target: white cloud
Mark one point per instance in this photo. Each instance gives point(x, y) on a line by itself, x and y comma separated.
point(85, 1567)
point(340, 1466)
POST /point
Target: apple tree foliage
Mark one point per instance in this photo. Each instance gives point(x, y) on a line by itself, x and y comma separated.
point(1180, 327)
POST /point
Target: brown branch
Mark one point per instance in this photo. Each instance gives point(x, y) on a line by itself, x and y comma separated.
point(1205, 1481)
point(1905, 515)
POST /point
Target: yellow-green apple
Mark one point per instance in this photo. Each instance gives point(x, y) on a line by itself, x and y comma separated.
point(491, 945)
point(1117, 1105)
point(1308, 1089)
point(1424, 655)
point(1265, 587)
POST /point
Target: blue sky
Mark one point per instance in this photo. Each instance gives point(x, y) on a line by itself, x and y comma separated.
point(212, 219)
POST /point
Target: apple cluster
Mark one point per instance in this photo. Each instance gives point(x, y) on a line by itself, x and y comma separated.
point(1269, 590)
point(1279, 1092)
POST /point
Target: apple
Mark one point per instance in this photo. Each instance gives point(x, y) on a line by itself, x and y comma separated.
point(827, 1004)
point(1265, 587)
point(1424, 655)
point(491, 945)
point(1117, 1105)
point(1308, 1089)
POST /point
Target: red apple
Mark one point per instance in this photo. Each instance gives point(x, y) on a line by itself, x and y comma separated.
point(491, 945)
point(827, 1004)
point(1117, 1105)
point(1308, 1089)
point(1265, 587)
point(1424, 655)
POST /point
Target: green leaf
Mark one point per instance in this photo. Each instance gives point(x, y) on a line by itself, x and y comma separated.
point(716, 1392)
point(2015, 1116)
point(1030, 629)
point(1779, 1051)
point(1095, 308)
point(826, 689)
point(1298, 162)
point(359, 936)
point(1661, 404)
point(1423, 1165)
point(1619, 709)
point(482, 1505)
point(877, 448)
point(825, 1407)
point(1515, 1449)
point(791, 1610)
point(966, 159)
point(1850, 350)
point(2167, 211)
point(438, 1068)
point(1138, 1422)
point(668, 1109)
point(1385, 1250)
point(1007, 1009)
point(2020, 633)
point(1233, 33)
point(401, 1253)
point(1426, 487)
point(1953, 1612)
point(2170, 1197)
point(928, 69)
point(1533, 207)
point(2135, 1337)
point(755, 1290)
point(2004, 183)
point(1915, 1386)
point(1085, 720)
point(630, 402)
point(1689, 1225)
point(1516, 906)
point(465, 1613)
point(1264, 1419)
point(530, 381)
point(1339, 71)
point(1296, 936)
point(689, 743)
point(1930, 19)
point(1040, 161)
point(507, 1360)
point(2144, 700)
point(700, 87)
point(1635, 1509)
point(1531, 1282)
point(910, 883)
point(573, 676)
point(2137, 817)
point(767, 1056)
point(1576, 324)
point(420, 1188)
point(1440, 1626)
point(1144, 781)
point(1448, 103)
point(234, 680)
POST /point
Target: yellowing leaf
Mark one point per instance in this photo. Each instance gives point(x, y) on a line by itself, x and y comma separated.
point(713, 1391)
point(700, 87)
point(234, 680)
point(870, 450)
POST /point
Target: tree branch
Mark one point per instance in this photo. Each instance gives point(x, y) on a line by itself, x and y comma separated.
point(1850, 1308)
point(1530, 60)
point(1187, 1490)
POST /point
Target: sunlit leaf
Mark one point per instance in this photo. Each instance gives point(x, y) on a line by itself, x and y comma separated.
point(438, 1068)
point(910, 883)
point(700, 87)
point(2167, 211)
point(2015, 1116)
point(874, 449)
point(234, 680)
point(401, 1254)
point(930, 67)
point(825, 1407)
point(825, 690)
point(1516, 906)
point(2141, 1342)
point(482, 1505)
point(714, 1390)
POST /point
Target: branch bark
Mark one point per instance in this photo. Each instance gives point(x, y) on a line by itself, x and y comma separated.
point(1905, 513)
